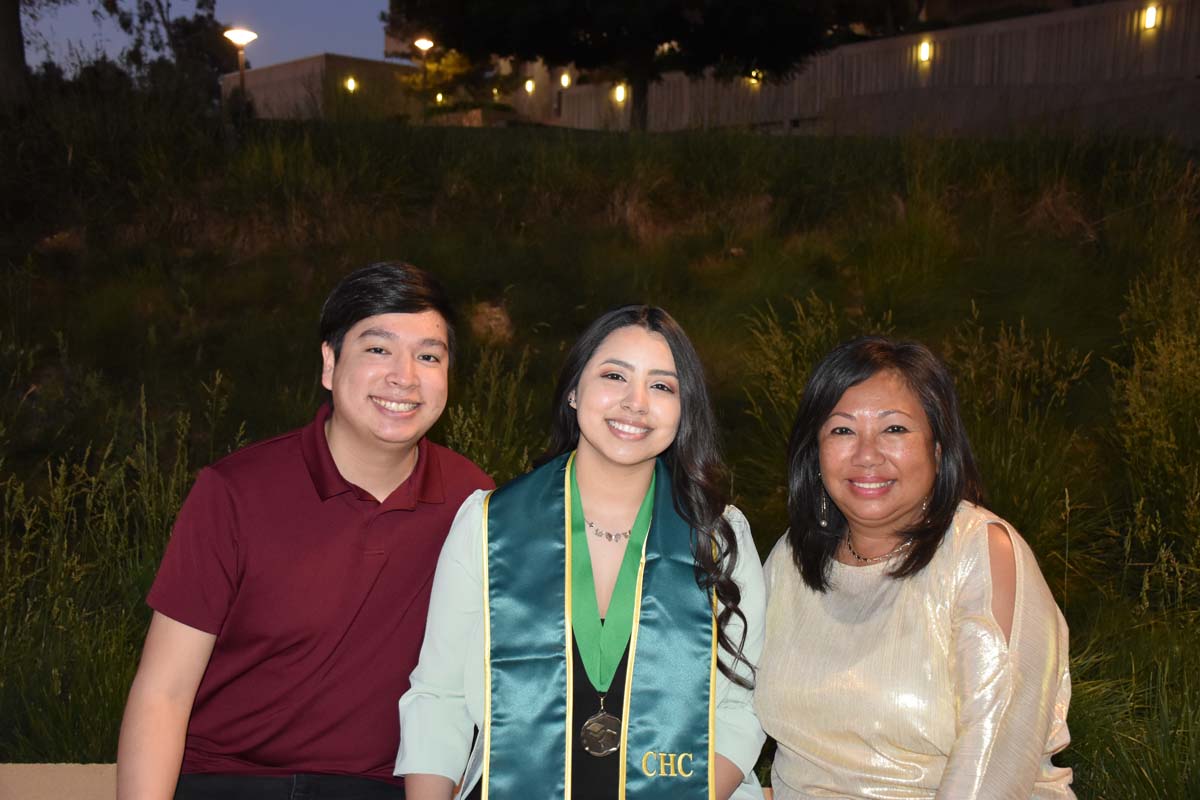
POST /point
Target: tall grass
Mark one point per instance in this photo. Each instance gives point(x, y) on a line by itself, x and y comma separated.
point(160, 284)
point(1135, 713)
point(78, 554)
point(1013, 388)
point(783, 350)
point(495, 426)
point(1158, 431)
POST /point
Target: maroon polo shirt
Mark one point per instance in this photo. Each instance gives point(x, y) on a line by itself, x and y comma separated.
point(317, 594)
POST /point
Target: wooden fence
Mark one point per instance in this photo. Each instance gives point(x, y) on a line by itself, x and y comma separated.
point(1099, 65)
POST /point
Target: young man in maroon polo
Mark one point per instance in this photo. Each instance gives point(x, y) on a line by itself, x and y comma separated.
point(290, 605)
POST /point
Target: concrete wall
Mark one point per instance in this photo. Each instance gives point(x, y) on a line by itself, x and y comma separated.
point(1095, 67)
point(316, 87)
point(291, 90)
point(69, 782)
point(58, 781)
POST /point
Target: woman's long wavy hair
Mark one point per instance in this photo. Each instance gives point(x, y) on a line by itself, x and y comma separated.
point(849, 364)
point(698, 475)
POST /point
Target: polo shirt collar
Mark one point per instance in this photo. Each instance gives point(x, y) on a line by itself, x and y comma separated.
point(424, 485)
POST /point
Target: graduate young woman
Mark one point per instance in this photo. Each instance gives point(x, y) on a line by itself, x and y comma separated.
point(593, 623)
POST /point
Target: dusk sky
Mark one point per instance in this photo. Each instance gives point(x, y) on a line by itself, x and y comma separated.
point(287, 29)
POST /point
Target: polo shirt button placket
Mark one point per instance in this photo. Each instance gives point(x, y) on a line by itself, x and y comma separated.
point(375, 534)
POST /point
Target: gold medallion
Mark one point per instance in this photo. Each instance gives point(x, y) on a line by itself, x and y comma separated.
point(601, 733)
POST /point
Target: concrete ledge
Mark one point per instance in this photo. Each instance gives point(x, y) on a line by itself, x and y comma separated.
point(58, 781)
point(70, 782)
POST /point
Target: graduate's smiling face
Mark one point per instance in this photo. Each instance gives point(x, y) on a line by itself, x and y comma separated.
point(390, 380)
point(627, 398)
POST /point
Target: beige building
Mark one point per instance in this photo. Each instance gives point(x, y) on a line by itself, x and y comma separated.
point(328, 85)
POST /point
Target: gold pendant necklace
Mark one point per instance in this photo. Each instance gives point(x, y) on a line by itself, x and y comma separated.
point(895, 551)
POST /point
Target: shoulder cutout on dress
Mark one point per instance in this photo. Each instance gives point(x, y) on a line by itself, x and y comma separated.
point(1002, 561)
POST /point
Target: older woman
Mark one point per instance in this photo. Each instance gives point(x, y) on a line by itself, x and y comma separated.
point(913, 649)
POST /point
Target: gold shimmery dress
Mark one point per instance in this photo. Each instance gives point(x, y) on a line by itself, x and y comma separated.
point(885, 688)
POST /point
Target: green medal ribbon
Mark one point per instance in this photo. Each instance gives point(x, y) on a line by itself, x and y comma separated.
point(601, 644)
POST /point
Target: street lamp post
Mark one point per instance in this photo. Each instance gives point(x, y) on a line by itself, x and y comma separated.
point(241, 37)
point(423, 44)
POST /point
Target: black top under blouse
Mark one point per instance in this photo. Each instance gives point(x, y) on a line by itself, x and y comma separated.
point(592, 777)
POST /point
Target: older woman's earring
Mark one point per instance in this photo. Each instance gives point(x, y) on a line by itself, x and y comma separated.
point(925, 507)
point(823, 519)
point(571, 400)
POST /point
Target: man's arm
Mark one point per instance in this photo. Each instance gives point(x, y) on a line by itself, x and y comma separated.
point(150, 750)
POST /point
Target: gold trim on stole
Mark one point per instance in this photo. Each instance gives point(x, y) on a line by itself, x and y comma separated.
point(570, 634)
point(633, 635)
point(487, 659)
point(712, 705)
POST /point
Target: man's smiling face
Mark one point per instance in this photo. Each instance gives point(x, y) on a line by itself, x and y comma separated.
point(389, 382)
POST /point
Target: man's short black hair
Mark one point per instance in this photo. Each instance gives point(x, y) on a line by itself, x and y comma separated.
point(385, 287)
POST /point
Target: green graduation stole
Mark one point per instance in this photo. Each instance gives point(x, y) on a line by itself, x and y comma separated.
point(668, 711)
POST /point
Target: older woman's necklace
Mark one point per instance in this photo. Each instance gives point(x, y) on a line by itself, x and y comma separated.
point(890, 554)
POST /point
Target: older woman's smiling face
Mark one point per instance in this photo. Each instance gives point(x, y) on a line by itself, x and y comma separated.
point(878, 456)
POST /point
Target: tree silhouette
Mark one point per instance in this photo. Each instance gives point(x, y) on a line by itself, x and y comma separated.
point(634, 40)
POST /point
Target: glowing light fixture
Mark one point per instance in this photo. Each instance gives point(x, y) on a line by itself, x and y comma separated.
point(925, 52)
point(529, 86)
point(565, 80)
point(755, 77)
point(423, 44)
point(440, 98)
point(495, 93)
point(1150, 18)
point(351, 85)
point(240, 36)
point(620, 93)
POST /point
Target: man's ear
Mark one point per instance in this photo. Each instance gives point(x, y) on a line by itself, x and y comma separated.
point(327, 362)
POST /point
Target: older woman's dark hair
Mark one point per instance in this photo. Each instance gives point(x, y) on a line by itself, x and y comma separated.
point(849, 364)
point(698, 475)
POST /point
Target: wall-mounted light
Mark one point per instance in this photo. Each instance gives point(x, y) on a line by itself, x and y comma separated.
point(351, 85)
point(565, 80)
point(925, 52)
point(755, 77)
point(529, 86)
point(495, 93)
point(1150, 18)
point(440, 98)
point(620, 93)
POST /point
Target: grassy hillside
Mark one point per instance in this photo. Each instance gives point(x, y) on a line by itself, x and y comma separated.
point(161, 283)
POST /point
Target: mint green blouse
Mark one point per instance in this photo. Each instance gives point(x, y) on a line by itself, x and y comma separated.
point(444, 705)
